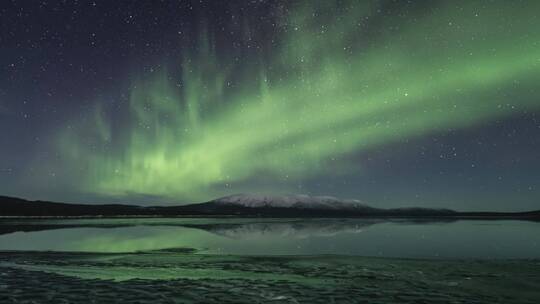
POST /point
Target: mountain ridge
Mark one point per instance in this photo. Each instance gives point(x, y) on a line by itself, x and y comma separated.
point(290, 201)
point(242, 205)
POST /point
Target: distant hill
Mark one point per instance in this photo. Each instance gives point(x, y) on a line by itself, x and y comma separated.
point(243, 205)
point(304, 206)
point(300, 201)
point(10, 206)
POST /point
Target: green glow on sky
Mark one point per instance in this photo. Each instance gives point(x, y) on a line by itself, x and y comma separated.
point(331, 89)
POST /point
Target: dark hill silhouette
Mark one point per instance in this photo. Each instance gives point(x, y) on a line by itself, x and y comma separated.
point(310, 207)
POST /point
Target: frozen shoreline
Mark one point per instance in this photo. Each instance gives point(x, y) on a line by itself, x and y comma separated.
point(181, 277)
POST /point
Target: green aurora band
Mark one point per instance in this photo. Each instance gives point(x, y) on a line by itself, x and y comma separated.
point(331, 88)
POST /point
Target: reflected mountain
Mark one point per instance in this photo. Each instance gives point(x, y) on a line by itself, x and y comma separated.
point(297, 229)
point(232, 228)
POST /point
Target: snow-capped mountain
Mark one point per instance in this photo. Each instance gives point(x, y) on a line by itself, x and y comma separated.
point(300, 201)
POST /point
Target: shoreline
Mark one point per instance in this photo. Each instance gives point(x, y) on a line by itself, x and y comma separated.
point(468, 217)
point(161, 277)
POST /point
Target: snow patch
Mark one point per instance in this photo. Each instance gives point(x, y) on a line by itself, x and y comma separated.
point(300, 201)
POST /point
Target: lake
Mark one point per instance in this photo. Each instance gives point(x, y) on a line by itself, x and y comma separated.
point(253, 260)
point(461, 239)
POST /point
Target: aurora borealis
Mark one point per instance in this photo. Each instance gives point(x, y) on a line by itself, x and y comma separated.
point(423, 103)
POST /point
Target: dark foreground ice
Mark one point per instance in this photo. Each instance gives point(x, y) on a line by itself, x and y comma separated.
point(182, 277)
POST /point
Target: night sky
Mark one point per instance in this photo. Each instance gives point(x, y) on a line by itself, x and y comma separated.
point(396, 103)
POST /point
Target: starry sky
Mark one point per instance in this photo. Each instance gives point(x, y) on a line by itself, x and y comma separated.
point(396, 103)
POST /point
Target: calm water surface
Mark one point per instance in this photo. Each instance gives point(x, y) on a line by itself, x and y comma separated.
point(396, 238)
